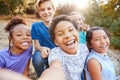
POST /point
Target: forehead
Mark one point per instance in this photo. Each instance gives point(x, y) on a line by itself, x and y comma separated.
point(62, 25)
point(46, 4)
point(20, 27)
point(98, 33)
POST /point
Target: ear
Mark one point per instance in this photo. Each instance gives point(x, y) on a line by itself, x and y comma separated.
point(55, 41)
point(10, 41)
point(88, 45)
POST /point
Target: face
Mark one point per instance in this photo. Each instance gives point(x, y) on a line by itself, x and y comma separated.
point(21, 38)
point(79, 21)
point(66, 37)
point(100, 41)
point(46, 11)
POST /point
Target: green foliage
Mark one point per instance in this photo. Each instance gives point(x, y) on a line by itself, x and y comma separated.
point(13, 6)
point(30, 9)
point(112, 8)
point(115, 42)
point(106, 16)
point(4, 10)
point(115, 29)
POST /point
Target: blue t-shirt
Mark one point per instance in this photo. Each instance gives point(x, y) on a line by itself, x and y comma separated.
point(82, 37)
point(14, 62)
point(41, 33)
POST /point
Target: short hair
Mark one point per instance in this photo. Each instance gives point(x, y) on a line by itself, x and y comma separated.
point(13, 22)
point(58, 19)
point(77, 13)
point(39, 2)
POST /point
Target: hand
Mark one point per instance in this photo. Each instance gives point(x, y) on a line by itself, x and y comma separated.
point(45, 52)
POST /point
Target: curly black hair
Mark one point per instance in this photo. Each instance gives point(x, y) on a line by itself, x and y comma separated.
point(58, 19)
point(11, 25)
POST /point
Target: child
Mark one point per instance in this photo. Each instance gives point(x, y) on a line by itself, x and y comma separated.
point(6, 74)
point(41, 37)
point(98, 65)
point(82, 27)
point(17, 56)
point(66, 62)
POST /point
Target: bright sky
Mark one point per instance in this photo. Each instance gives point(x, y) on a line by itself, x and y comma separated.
point(78, 3)
point(81, 4)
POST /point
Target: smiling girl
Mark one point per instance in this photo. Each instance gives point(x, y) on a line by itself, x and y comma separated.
point(67, 60)
point(98, 65)
point(17, 56)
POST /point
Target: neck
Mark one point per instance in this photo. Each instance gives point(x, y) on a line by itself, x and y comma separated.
point(47, 23)
point(16, 51)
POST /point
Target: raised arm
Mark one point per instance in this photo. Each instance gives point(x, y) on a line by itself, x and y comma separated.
point(54, 72)
point(44, 50)
point(10, 75)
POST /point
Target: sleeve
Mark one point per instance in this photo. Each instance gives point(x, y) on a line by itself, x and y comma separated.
point(33, 31)
point(2, 62)
point(54, 54)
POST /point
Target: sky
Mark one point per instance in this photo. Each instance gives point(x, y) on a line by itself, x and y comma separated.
point(78, 3)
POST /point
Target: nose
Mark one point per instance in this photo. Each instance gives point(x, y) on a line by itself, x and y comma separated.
point(102, 40)
point(46, 11)
point(67, 35)
point(25, 37)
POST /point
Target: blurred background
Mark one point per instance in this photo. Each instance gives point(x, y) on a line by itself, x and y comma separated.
point(104, 13)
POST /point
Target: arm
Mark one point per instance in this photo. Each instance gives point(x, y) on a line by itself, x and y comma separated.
point(94, 69)
point(9, 75)
point(44, 50)
point(26, 71)
point(54, 72)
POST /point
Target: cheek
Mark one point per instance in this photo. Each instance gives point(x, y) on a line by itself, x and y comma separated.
point(57, 40)
point(93, 44)
point(40, 13)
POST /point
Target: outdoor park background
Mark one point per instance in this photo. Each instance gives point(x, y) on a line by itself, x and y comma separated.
point(104, 13)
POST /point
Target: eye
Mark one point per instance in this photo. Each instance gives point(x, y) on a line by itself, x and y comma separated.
point(97, 39)
point(72, 29)
point(105, 37)
point(19, 34)
point(49, 8)
point(28, 34)
point(42, 9)
point(59, 34)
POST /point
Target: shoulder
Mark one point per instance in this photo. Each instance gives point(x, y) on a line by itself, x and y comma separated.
point(93, 65)
point(92, 57)
point(83, 47)
point(37, 23)
point(55, 49)
point(55, 53)
point(4, 51)
point(29, 50)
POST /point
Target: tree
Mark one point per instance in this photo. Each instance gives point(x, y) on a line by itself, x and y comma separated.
point(107, 16)
point(14, 6)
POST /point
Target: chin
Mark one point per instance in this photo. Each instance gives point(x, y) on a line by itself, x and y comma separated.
point(25, 48)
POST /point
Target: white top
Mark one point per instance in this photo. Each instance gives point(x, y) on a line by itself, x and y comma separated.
point(72, 64)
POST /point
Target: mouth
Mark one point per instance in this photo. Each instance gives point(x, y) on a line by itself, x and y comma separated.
point(104, 47)
point(26, 43)
point(71, 44)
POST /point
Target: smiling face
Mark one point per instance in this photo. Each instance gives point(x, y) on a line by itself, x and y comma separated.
point(100, 41)
point(21, 38)
point(46, 11)
point(66, 37)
